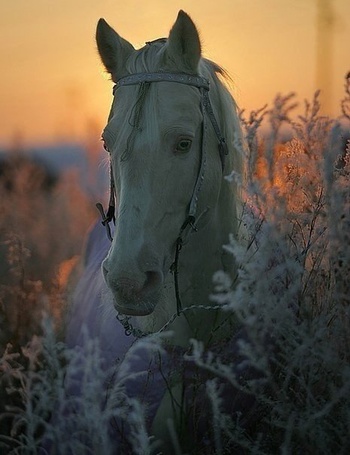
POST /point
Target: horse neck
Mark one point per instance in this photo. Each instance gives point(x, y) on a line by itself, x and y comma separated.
point(204, 250)
point(200, 258)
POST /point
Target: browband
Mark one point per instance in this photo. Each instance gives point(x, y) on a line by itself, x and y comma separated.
point(181, 78)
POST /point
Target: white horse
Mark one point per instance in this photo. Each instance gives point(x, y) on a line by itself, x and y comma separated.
point(172, 134)
point(168, 168)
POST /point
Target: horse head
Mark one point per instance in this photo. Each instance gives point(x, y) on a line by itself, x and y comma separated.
point(166, 167)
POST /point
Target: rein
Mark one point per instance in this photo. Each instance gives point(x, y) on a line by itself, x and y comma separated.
point(203, 85)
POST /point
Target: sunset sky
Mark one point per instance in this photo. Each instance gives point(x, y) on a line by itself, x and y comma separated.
point(53, 87)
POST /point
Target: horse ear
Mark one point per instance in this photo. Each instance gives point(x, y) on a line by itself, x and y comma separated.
point(113, 49)
point(184, 46)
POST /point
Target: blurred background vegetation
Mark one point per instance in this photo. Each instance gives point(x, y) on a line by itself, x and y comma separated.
point(46, 205)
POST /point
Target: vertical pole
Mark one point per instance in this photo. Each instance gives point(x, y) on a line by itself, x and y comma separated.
point(324, 53)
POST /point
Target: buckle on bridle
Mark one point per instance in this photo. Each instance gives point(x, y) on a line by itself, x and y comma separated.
point(107, 218)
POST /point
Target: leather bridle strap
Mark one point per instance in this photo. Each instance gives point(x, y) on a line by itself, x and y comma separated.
point(181, 78)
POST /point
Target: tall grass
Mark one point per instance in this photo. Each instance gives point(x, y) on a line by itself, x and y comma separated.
point(290, 363)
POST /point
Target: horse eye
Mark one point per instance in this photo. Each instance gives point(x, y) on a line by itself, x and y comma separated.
point(183, 146)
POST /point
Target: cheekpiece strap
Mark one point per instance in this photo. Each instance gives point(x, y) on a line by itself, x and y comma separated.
point(223, 149)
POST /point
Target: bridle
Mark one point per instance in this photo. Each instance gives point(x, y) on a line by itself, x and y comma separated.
point(190, 223)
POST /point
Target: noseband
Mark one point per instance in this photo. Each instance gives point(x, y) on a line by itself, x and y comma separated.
point(142, 79)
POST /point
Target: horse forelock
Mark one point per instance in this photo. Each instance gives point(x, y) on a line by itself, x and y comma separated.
point(148, 59)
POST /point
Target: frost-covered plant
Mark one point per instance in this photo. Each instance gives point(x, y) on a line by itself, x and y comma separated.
point(292, 294)
point(65, 401)
point(345, 104)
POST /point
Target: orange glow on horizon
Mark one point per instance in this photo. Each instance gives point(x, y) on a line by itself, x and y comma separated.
point(53, 85)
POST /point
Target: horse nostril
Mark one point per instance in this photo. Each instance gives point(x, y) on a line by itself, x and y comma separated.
point(153, 280)
point(131, 287)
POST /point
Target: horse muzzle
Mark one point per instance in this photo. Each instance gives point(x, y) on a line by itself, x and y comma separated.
point(135, 294)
